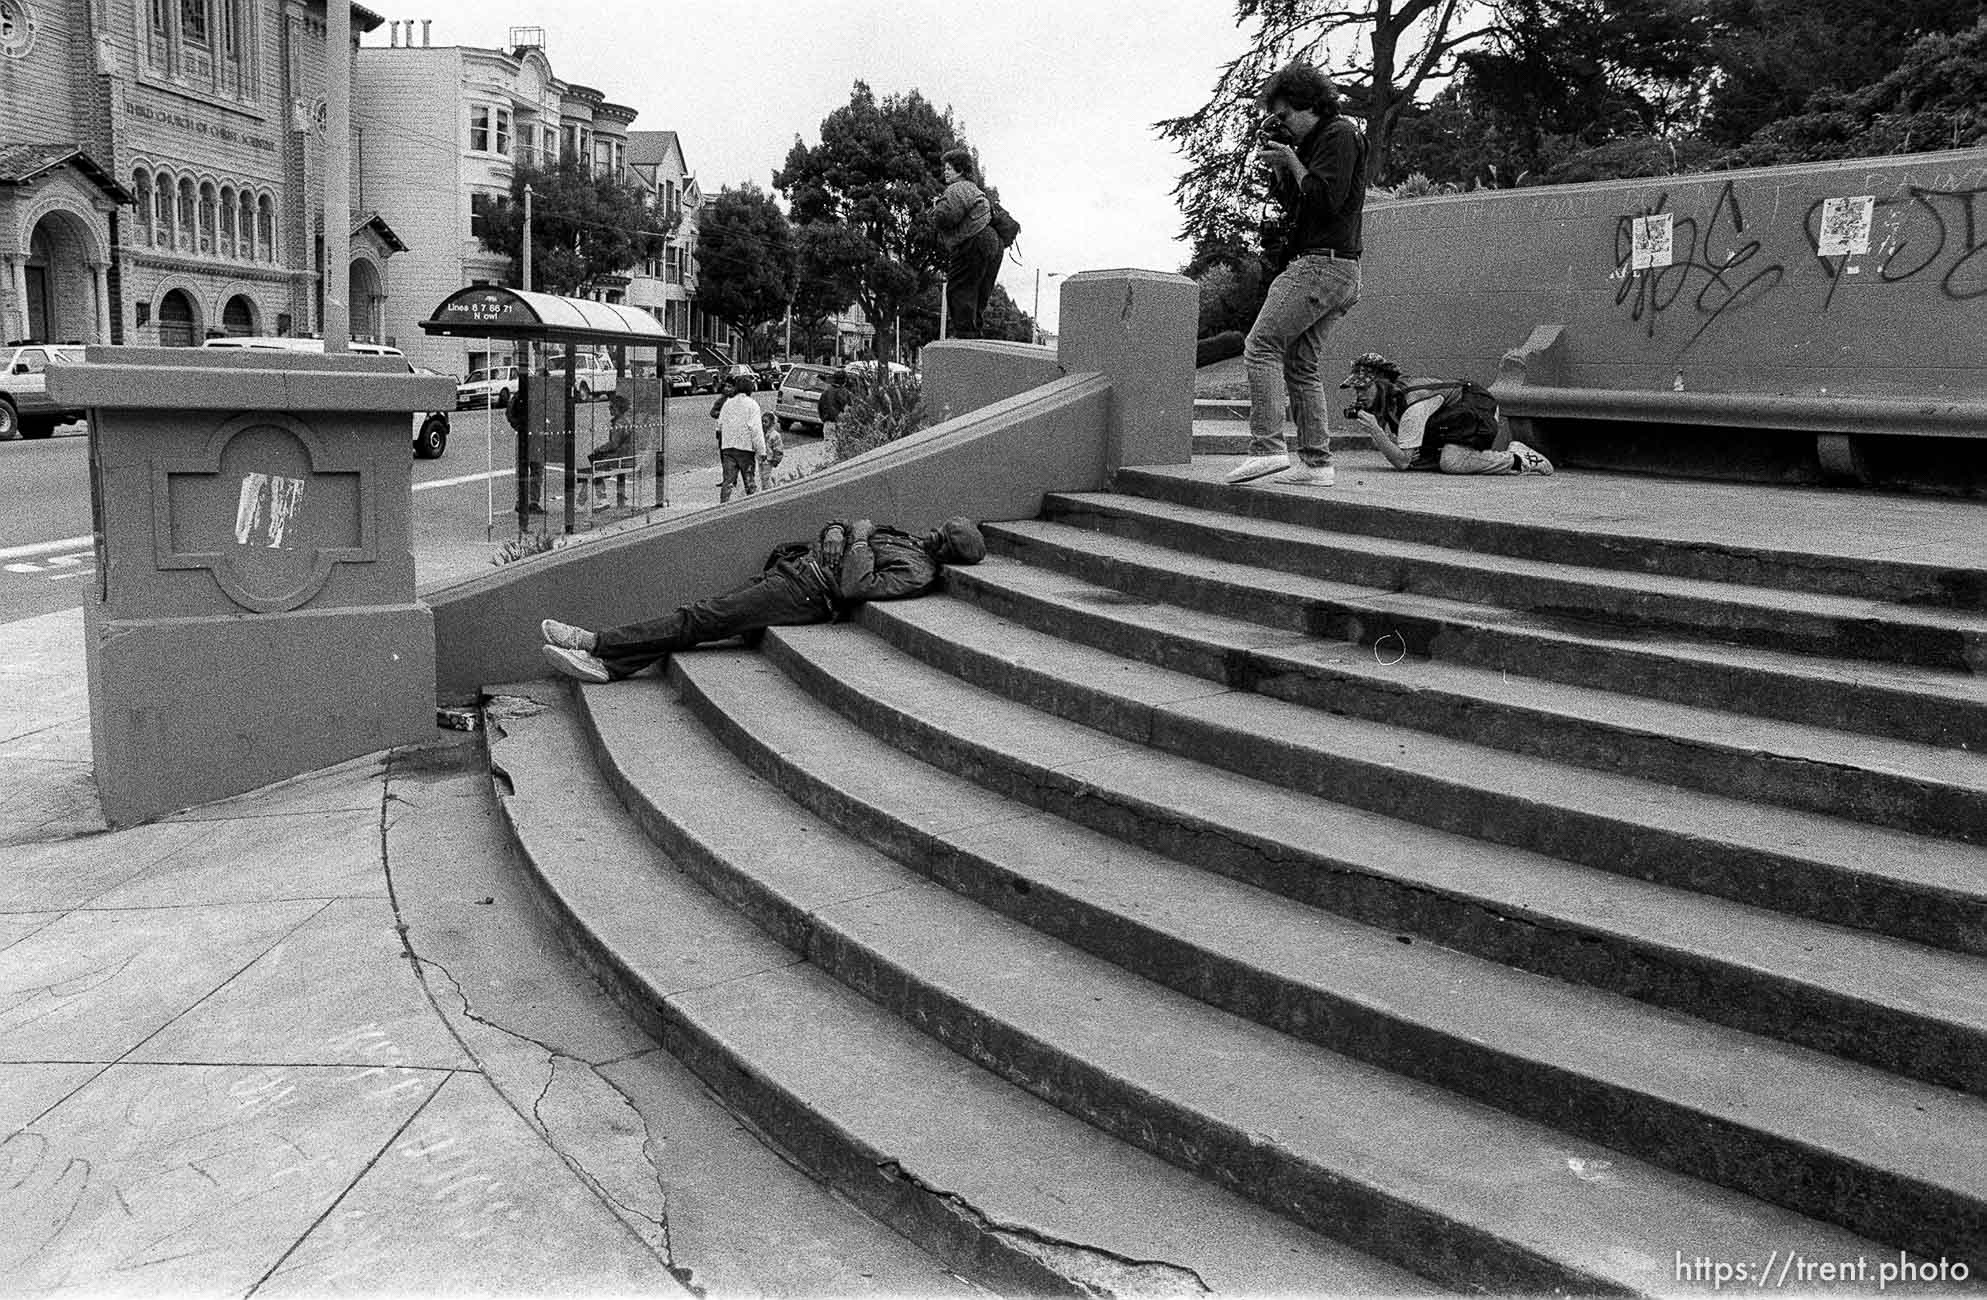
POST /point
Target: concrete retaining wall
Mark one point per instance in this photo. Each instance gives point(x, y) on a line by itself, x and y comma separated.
point(1748, 299)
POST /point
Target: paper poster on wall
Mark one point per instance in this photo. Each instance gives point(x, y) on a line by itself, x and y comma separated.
point(1845, 226)
point(1651, 242)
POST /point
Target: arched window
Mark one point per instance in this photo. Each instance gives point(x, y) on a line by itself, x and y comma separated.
point(238, 317)
point(177, 327)
point(209, 219)
point(183, 216)
point(229, 215)
point(141, 194)
point(265, 227)
point(162, 192)
point(245, 228)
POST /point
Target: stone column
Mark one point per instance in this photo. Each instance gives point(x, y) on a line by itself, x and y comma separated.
point(1137, 327)
point(17, 288)
point(255, 615)
point(100, 281)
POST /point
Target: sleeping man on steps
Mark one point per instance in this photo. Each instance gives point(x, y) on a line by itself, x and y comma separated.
point(803, 582)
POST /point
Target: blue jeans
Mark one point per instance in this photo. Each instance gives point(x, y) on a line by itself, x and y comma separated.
point(1305, 300)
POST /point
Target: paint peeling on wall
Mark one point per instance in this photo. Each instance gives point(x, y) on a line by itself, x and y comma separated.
point(266, 505)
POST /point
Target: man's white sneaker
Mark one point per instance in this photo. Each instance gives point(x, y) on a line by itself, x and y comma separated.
point(575, 663)
point(566, 635)
point(1308, 475)
point(1256, 467)
point(1530, 461)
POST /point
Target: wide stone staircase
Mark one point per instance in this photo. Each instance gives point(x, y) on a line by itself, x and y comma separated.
point(1254, 890)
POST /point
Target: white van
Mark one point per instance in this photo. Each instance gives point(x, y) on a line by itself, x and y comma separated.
point(430, 431)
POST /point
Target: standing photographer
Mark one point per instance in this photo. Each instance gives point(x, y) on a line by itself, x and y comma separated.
point(1317, 162)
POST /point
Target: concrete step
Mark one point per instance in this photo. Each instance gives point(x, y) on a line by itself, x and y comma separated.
point(1899, 784)
point(1917, 1010)
point(1808, 623)
point(1930, 706)
point(1588, 1061)
point(1625, 537)
point(1230, 437)
point(1331, 1141)
point(1004, 1187)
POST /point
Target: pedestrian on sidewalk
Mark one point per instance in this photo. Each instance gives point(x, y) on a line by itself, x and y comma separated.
point(741, 439)
point(964, 219)
point(1317, 162)
point(834, 401)
point(1450, 425)
point(803, 582)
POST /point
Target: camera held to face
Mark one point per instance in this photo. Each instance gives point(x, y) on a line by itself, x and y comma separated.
point(1271, 130)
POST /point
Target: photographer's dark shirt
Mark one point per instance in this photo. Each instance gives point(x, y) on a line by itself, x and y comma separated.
point(1330, 205)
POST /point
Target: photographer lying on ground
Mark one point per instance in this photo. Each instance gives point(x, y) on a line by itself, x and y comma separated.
point(1449, 425)
point(803, 582)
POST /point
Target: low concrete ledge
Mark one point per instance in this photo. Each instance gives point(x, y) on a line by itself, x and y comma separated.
point(962, 375)
point(202, 379)
point(994, 463)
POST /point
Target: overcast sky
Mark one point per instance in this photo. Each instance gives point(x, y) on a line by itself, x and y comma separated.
point(1058, 96)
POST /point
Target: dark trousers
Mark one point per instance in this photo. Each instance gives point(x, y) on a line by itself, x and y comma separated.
point(738, 464)
point(785, 596)
point(969, 283)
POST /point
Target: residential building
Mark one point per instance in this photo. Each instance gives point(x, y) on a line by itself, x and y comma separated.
point(161, 172)
point(666, 286)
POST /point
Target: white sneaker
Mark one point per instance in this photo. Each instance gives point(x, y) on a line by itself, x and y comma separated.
point(566, 635)
point(575, 663)
point(1256, 467)
point(1529, 461)
point(1308, 475)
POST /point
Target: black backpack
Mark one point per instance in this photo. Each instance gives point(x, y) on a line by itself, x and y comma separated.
point(1005, 227)
point(1467, 417)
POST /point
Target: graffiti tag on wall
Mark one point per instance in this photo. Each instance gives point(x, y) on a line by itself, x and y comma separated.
point(1721, 259)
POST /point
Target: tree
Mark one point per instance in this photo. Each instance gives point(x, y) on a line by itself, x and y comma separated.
point(1407, 43)
point(858, 202)
point(1004, 319)
point(746, 258)
point(582, 226)
point(1773, 56)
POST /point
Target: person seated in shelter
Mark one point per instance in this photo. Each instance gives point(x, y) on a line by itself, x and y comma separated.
point(1450, 425)
point(803, 582)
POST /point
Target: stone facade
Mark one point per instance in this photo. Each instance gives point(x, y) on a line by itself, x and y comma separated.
point(187, 198)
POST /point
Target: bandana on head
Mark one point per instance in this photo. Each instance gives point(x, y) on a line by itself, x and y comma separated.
point(1371, 366)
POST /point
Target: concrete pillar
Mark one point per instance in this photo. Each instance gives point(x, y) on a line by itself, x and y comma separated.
point(1137, 328)
point(17, 288)
point(254, 616)
point(100, 284)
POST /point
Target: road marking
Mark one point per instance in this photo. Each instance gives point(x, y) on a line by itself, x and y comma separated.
point(448, 482)
point(84, 543)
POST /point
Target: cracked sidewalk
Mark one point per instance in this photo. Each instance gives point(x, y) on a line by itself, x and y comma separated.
point(317, 1037)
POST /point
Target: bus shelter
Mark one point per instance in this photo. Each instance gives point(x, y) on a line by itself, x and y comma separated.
point(589, 435)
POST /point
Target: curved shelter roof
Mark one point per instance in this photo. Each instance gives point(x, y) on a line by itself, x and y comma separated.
point(493, 312)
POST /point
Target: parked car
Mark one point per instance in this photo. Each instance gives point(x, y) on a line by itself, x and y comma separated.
point(492, 386)
point(771, 372)
point(799, 401)
point(26, 409)
point(593, 374)
point(690, 373)
point(892, 370)
point(740, 370)
point(430, 428)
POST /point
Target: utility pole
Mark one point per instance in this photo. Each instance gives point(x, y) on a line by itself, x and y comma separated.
point(527, 239)
point(337, 322)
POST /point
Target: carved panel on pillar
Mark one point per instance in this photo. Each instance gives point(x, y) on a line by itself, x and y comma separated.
point(268, 510)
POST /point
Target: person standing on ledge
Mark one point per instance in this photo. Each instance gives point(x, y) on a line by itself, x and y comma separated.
point(964, 220)
point(1317, 162)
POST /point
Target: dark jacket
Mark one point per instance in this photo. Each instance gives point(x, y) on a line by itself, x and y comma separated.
point(892, 565)
point(1326, 211)
point(834, 400)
